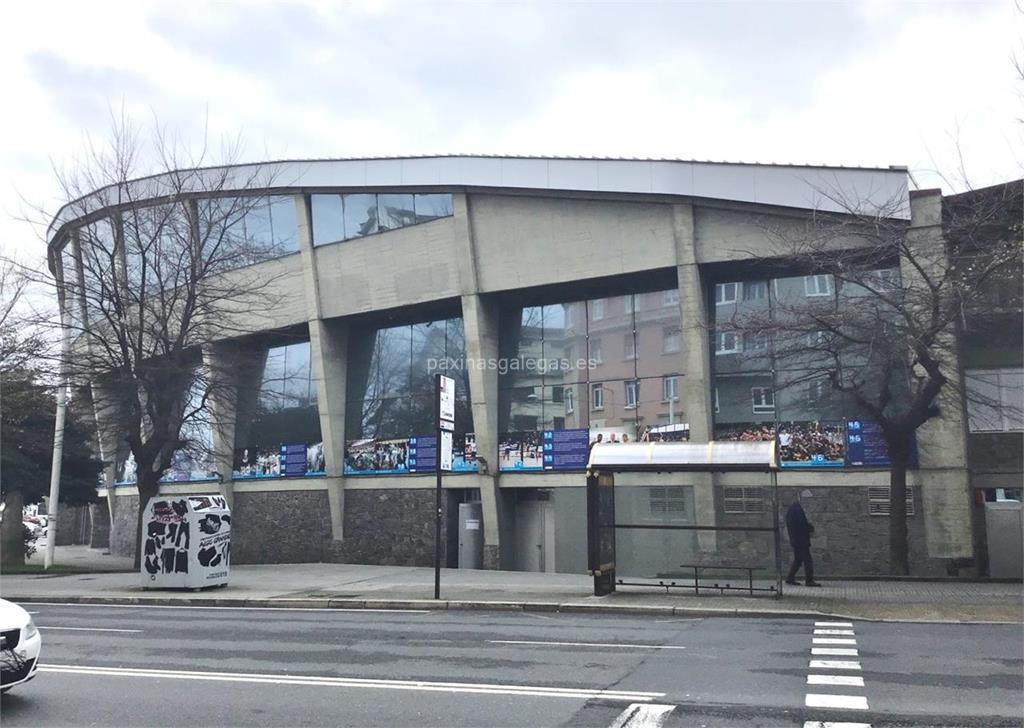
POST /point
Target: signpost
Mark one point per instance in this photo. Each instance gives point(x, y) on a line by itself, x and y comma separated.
point(445, 390)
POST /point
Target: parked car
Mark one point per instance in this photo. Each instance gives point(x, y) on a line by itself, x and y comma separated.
point(19, 646)
point(34, 528)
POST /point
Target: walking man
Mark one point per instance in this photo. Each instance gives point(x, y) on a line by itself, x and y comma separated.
point(800, 530)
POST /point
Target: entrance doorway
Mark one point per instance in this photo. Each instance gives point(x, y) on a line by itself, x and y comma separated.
point(535, 543)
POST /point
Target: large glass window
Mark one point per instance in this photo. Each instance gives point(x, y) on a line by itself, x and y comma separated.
point(395, 211)
point(995, 400)
point(603, 365)
point(99, 259)
point(432, 207)
point(360, 215)
point(772, 364)
point(345, 217)
point(391, 373)
point(328, 218)
point(71, 289)
point(240, 231)
point(277, 413)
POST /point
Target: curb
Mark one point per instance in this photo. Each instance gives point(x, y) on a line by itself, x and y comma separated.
point(480, 605)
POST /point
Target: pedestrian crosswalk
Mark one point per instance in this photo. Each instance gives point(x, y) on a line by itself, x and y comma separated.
point(833, 683)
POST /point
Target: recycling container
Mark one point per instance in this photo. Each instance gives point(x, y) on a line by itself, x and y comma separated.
point(186, 542)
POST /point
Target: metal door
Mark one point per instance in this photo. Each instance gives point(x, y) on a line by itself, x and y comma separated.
point(471, 536)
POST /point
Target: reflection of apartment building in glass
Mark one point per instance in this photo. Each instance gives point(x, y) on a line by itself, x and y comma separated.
point(563, 295)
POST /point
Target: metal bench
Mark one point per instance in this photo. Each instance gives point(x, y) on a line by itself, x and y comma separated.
point(697, 569)
point(750, 588)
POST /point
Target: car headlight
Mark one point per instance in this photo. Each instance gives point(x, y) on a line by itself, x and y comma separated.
point(30, 629)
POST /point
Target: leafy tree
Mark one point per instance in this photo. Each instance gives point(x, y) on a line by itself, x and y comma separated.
point(26, 449)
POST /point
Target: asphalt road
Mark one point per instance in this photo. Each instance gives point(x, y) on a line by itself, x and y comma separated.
point(127, 666)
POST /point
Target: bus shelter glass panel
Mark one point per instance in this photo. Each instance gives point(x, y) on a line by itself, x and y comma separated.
point(646, 547)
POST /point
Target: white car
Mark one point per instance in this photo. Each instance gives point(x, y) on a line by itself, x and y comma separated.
point(19, 646)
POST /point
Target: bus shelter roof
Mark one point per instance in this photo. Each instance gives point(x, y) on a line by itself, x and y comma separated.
point(666, 457)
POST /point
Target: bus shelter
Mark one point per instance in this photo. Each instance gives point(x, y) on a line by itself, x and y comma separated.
point(718, 568)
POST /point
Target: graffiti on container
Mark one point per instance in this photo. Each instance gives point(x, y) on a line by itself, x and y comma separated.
point(214, 541)
point(167, 538)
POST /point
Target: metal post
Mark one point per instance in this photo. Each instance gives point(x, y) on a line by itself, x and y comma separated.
point(437, 498)
point(58, 452)
point(775, 531)
point(778, 461)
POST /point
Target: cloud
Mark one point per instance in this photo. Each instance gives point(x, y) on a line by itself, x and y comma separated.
point(872, 83)
point(83, 94)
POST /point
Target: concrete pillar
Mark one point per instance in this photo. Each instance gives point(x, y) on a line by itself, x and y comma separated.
point(310, 279)
point(942, 441)
point(695, 392)
point(221, 361)
point(328, 346)
point(466, 261)
point(105, 412)
point(328, 350)
point(480, 317)
point(481, 320)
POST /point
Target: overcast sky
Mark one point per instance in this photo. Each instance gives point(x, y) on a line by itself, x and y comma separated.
point(873, 83)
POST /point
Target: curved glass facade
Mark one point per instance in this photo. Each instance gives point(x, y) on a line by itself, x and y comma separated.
point(344, 217)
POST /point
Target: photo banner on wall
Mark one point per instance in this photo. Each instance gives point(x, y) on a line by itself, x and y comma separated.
point(812, 444)
point(186, 467)
point(855, 443)
point(287, 460)
point(865, 445)
point(554, 450)
point(407, 456)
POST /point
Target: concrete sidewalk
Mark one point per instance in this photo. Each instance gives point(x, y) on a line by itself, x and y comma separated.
point(359, 586)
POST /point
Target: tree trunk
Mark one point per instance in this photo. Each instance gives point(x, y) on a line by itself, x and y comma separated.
point(12, 547)
point(899, 557)
point(149, 487)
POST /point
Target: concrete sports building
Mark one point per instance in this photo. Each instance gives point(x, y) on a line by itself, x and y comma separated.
point(568, 298)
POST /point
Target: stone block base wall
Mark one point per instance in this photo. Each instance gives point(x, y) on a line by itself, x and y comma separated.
point(99, 518)
point(72, 525)
point(396, 527)
point(283, 527)
point(391, 527)
point(849, 542)
point(122, 530)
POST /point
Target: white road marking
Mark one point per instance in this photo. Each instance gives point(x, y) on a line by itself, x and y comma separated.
point(843, 702)
point(643, 715)
point(321, 610)
point(830, 724)
point(847, 632)
point(350, 682)
point(853, 680)
point(92, 629)
point(585, 644)
point(833, 624)
point(834, 651)
point(835, 665)
point(834, 641)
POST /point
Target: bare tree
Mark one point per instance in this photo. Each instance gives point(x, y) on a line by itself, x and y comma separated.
point(154, 259)
point(864, 313)
point(21, 343)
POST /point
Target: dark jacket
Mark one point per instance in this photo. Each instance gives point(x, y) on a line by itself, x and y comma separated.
point(798, 526)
